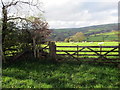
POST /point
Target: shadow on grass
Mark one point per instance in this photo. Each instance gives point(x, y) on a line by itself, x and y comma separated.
point(67, 74)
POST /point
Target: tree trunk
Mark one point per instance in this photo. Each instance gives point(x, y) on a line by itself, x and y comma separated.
point(34, 47)
point(4, 30)
point(4, 23)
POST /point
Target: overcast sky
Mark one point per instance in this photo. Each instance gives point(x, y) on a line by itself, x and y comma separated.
point(75, 13)
point(80, 13)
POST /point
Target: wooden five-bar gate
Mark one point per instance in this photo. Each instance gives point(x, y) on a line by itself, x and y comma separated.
point(99, 55)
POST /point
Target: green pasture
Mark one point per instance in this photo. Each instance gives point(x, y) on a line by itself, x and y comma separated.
point(102, 38)
point(108, 36)
point(87, 44)
point(109, 33)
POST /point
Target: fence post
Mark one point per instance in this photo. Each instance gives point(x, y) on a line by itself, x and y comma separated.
point(77, 52)
point(119, 50)
point(52, 50)
point(34, 47)
point(101, 52)
point(39, 53)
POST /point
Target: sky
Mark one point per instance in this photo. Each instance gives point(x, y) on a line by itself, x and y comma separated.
point(74, 13)
point(80, 13)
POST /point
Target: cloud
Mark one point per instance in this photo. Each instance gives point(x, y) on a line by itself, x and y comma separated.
point(94, 7)
point(68, 24)
point(78, 13)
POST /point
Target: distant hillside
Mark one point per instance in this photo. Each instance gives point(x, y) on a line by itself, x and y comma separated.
point(61, 34)
point(107, 36)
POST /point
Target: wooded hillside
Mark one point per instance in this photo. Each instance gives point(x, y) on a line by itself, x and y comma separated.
point(62, 34)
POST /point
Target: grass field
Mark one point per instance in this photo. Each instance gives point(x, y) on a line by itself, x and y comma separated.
point(87, 44)
point(108, 36)
point(38, 74)
point(103, 38)
point(31, 73)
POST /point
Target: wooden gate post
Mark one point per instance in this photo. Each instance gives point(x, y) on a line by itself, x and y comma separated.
point(52, 50)
point(119, 50)
point(101, 52)
point(77, 52)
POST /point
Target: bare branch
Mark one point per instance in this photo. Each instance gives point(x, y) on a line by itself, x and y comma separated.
point(14, 18)
point(36, 25)
point(15, 3)
point(28, 3)
point(12, 3)
point(2, 3)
